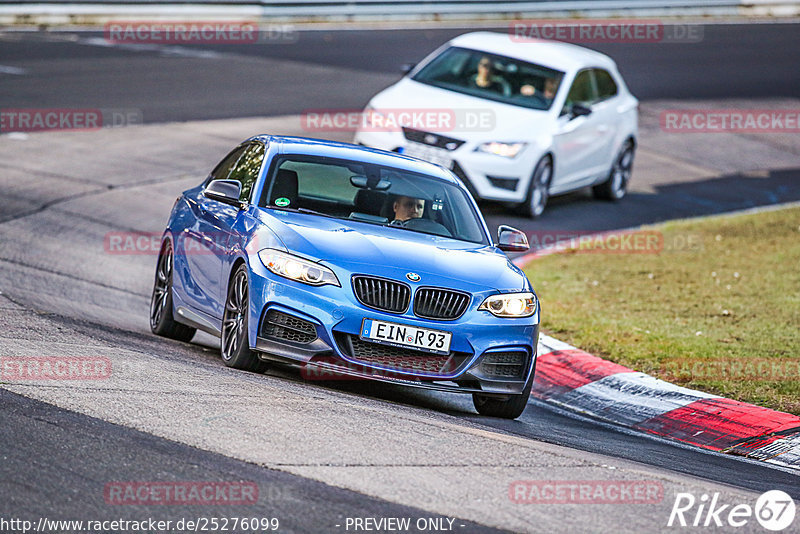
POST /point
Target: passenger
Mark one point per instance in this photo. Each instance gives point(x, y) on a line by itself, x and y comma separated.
point(550, 86)
point(486, 78)
point(406, 208)
point(547, 94)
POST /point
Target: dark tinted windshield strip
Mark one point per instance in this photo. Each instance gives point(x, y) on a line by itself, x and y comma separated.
point(468, 227)
point(281, 158)
point(421, 77)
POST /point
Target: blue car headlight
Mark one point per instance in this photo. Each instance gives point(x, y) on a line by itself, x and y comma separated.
point(510, 305)
point(297, 268)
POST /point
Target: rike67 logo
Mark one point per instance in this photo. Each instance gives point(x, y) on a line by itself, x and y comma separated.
point(774, 510)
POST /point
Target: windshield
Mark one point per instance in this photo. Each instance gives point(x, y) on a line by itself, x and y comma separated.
point(372, 194)
point(499, 78)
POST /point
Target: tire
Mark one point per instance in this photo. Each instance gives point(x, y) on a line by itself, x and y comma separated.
point(509, 408)
point(616, 186)
point(234, 341)
point(539, 189)
point(162, 322)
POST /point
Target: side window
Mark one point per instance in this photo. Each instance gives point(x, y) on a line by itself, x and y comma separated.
point(583, 91)
point(606, 86)
point(223, 168)
point(247, 169)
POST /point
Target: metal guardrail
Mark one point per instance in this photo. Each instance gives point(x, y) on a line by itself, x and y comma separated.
point(321, 10)
point(374, 7)
point(416, 6)
point(509, 7)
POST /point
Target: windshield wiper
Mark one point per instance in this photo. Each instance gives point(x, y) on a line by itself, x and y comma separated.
point(312, 212)
point(303, 210)
point(417, 231)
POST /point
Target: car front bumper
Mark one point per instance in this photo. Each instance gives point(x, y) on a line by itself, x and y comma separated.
point(319, 327)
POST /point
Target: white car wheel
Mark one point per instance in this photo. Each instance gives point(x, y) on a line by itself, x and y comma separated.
point(539, 189)
point(616, 186)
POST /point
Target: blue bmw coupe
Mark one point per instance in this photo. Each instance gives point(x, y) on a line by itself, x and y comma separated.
point(356, 261)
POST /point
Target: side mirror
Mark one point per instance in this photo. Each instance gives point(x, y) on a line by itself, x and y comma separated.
point(511, 240)
point(407, 67)
point(578, 110)
point(225, 191)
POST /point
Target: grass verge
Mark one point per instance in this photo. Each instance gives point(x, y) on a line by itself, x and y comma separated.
point(715, 306)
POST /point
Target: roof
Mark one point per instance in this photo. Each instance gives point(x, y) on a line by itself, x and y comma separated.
point(319, 147)
point(554, 54)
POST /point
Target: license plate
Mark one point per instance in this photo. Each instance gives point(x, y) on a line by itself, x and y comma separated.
point(401, 335)
point(428, 153)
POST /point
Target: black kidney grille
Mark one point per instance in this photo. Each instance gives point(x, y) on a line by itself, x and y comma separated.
point(278, 325)
point(442, 304)
point(382, 294)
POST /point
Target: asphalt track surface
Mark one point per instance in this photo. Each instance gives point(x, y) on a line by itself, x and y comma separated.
point(343, 69)
point(54, 460)
point(50, 485)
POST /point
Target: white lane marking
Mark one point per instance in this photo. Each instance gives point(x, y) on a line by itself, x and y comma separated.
point(552, 344)
point(572, 414)
point(18, 136)
point(6, 69)
point(629, 398)
point(164, 50)
point(784, 451)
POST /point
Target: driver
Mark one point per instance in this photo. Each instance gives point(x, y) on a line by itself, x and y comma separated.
point(406, 208)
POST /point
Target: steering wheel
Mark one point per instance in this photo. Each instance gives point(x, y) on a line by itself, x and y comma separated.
point(428, 226)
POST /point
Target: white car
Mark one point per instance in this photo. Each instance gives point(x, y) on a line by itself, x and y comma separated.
point(516, 121)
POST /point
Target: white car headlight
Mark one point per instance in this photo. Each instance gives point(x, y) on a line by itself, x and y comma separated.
point(506, 150)
point(510, 305)
point(374, 120)
point(296, 268)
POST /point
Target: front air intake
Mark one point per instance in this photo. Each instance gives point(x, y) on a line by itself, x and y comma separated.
point(284, 327)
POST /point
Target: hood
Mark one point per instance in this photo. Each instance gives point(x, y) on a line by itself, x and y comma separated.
point(392, 252)
point(476, 119)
